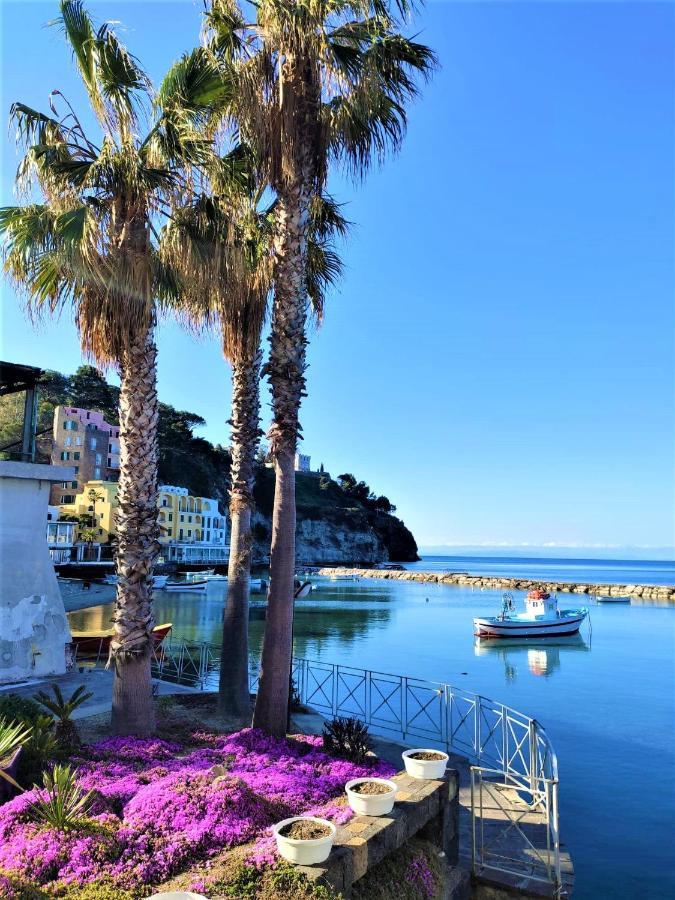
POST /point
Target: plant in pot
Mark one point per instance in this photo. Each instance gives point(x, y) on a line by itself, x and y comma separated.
point(425, 763)
point(304, 840)
point(371, 796)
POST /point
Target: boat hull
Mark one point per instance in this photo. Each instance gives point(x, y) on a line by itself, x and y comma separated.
point(186, 586)
point(511, 628)
point(97, 643)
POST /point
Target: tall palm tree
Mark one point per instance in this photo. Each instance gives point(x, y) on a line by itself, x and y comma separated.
point(317, 81)
point(221, 244)
point(91, 242)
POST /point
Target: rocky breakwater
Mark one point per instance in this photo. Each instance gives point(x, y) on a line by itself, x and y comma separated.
point(662, 592)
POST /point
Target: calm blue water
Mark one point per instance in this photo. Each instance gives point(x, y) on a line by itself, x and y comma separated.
point(607, 700)
point(609, 571)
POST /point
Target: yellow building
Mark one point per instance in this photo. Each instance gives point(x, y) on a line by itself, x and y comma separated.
point(192, 529)
point(99, 511)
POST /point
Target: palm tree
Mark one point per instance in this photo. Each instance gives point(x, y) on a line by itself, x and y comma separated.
point(91, 243)
point(221, 243)
point(94, 496)
point(317, 81)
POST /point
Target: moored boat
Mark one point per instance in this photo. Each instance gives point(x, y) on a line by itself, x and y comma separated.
point(186, 585)
point(199, 575)
point(158, 581)
point(303, 590)
point(97, 643)
point(622, 598)
point(541, 618)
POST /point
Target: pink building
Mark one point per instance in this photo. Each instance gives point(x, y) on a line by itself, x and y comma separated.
point(83, 440)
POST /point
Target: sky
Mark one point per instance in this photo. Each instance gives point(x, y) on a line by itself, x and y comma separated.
point(499, 356)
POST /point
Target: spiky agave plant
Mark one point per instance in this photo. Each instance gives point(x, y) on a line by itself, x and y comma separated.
point(314, 81)
point(91, 243)
point(12, 736)
point(61, 803)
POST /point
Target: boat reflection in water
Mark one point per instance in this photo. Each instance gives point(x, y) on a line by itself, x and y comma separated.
point(543, 657)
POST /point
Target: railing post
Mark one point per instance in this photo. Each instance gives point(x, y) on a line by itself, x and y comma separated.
point(476, 733)
point(404, 705)
point(533, 760)
point(555, 835)
point(473, 820)
point(505, 742)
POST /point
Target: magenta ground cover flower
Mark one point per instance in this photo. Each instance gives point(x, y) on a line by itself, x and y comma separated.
point(159, 806)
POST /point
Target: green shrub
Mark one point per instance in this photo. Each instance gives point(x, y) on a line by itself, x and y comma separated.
point(15, 887)
point(40, 747)
point(348, 739)
point(101, 890)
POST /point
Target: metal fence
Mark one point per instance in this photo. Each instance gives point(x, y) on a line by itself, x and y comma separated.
point(511, 751)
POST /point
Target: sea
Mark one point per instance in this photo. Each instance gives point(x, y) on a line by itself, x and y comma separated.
point(605, 697)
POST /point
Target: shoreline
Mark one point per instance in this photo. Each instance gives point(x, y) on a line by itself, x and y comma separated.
point(460, 579)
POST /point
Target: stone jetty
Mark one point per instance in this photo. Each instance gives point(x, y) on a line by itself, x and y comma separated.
point(662, 592)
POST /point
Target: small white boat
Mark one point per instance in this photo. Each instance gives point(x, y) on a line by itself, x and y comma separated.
point(541, 618)
point(200, 575)
point(335, 577)
point(623, 598)
point(186, 585)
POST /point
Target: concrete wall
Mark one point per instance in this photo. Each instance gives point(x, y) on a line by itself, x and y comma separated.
point(33, 625)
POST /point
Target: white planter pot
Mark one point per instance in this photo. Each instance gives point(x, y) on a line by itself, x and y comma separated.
point(177, 895)
point(304, 853)
point(425, 768)
point(371, 804)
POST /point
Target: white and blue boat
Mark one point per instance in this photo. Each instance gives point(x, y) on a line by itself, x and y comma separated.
point(541, 618)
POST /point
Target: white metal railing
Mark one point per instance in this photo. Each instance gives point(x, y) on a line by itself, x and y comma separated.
point(511, 752)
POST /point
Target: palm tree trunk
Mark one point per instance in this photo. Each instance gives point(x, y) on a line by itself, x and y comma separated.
point(233, 697)
point(133, 710)
point(286, 368)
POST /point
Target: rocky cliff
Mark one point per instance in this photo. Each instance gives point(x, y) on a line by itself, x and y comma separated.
point(331, 527)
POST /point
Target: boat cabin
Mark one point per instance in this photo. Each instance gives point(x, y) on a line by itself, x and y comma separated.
point(541, 606)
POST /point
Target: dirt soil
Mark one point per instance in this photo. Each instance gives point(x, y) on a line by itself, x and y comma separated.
point(370, 787)
point(427, 756)
point(305, 830)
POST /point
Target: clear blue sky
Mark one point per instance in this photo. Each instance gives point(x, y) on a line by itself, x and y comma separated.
point(499, 357)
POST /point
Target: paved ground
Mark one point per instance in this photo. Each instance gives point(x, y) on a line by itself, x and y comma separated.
point(97, 681)
point(75, 597)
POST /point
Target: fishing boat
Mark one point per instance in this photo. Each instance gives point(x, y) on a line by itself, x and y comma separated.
point(623, 598)
point(186, 585)
point(97, 643)
point(541, 618)
point(303, 590)
point(200, 575)
point(158, 581)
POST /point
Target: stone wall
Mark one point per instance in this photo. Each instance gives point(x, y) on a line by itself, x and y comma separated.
point(645, 591)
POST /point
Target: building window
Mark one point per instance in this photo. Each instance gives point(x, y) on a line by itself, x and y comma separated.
point(97, 474)
point(68, 441)
point(98, 459)
point(189, 518)
point(170, 517)
point(67, 498)
point(189, 532)
point(109, 462)
point(76, 454)
point(65, 455)
point(180, 534)
point(64, 484)
point(77, 469)
point(70, 425)
point(92, 443)
point(165, 502)
point(78, 441)
point(182, 517)
point(100, 531)
point(73, 484)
